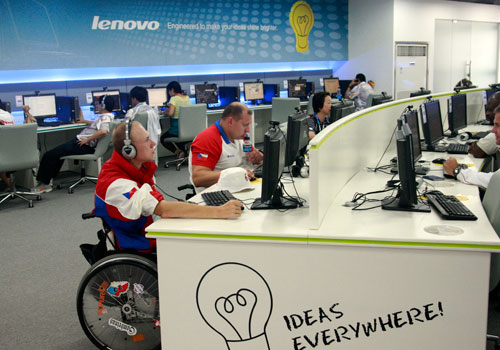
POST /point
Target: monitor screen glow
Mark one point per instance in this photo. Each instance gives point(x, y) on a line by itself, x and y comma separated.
point(254, 91)
point(331, 85)
point(41, 105)
point(157, 96)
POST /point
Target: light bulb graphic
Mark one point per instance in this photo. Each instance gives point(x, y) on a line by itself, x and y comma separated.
point(236, 302)
point(302, 21)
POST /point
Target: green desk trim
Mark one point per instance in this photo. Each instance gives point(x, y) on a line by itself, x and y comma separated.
point(322, 240)
point(388, 105)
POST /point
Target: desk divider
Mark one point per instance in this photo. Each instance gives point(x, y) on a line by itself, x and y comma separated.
point(347, 146)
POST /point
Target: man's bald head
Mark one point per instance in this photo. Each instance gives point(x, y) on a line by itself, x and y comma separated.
point(491, 105)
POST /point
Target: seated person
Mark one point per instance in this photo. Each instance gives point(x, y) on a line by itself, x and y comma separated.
point(487, 145)
point(126, 197)
point(322, 105)
point(28, 117)
point(359, 90)
point(83, 143)
point(469, 176)
point(138, 97)
point(177, 99)
point(221, 146)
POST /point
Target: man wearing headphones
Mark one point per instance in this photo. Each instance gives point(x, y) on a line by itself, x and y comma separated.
point(83, 143)
point(126, 197)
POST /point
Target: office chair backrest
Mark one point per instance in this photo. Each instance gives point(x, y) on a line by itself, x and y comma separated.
point(18, 143)
point(369, 100)
point(491, 205)
point(192, 121)
point(142, 118)
point(103, 144)
point(283, 107)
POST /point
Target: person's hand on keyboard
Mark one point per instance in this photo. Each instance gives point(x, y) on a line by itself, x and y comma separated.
point(231, 209)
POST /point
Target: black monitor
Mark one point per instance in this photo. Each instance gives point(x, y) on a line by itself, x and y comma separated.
point(297, 88)
point(411, 118)
point(344, 85)
point(457, 113)
point(5, 106)
point(274, 163)
point(228, 95)
point(489, 93)
point(331, 85)
point(68, 109)
point(341, 110)
point(432, 125)
point(42, 106)
point(114, 94)
point(406, 199)
point(125, 101)
point(270, 91)
point(420, 92)
point(253, 91)
point(206, 93)
point(379, 99)
point(157, 96)
point(310, 89)
point(297, 136)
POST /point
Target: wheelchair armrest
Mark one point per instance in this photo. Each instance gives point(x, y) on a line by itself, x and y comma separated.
point(86, 216)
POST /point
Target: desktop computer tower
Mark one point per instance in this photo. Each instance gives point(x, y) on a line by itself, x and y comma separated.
point(5, 106)
point(125, 101)
point(67, 108)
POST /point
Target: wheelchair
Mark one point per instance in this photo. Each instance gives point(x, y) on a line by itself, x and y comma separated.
point(117, 300)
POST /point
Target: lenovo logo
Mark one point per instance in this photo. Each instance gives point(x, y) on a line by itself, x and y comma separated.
point(105, 24)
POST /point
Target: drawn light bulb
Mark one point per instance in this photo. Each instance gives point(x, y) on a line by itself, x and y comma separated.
point(236, 302)
point(301, 20)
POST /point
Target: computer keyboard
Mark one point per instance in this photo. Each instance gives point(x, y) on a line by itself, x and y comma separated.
point(449, 207)
point(457, 148)
point(479, 135)
point(217, 198)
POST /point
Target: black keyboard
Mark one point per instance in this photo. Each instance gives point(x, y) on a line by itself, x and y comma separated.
point(457, 148)
point(217, 198)
point(449, 207)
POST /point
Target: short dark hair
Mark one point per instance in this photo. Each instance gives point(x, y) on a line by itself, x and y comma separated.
point(176, 86)
point(235, 110)
point(497, 110)
point(319, 100)
point(109, 102)
point(118, 136)
point(360, 77)
point(139, 93)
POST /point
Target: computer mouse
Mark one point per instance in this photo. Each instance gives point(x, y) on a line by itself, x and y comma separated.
point(439, 161)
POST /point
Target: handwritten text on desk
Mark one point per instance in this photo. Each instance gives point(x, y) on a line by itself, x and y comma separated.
point(350, 332)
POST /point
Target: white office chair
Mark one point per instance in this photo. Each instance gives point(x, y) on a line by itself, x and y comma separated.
point(192, 121)
point(19, 151)
point(102, 146)
point(283, 107)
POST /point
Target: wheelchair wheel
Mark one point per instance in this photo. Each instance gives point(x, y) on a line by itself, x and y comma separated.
point(117, 303)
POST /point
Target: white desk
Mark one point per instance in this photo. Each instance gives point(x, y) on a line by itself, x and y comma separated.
point(334, 278)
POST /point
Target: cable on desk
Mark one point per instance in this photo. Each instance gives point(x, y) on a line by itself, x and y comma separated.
point(364, 197)
point(168, 195)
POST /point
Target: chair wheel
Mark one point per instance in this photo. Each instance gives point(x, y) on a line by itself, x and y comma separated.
point(30, 204)
point(166, 165)
point(70, 190)
point(38, 198)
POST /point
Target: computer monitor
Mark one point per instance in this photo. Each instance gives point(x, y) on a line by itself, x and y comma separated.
point(411, 118)
point(457, 113)
point(341, 110)
point(157, 97)
point(297, 88)
point(42, 106)
point(125, 102)
point(420, 92)
point(344, 85)
point(68, 109)
point(310, 89)
point(489, 93)
point(253, 91)
point(272, 168)
point(432, 125)
point(331, 85)
point(270, 91)
point(228, 95)
point(379, 99)
point(114, 94)
point(297, 136)
point(206, 93)
point(406, 199)
point(5, 106)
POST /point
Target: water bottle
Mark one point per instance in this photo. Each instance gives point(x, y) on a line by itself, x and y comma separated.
point(339, 94)
point(247, 144)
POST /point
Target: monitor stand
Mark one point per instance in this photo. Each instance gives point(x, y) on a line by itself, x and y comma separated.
point(393, 204)
point(277, 202)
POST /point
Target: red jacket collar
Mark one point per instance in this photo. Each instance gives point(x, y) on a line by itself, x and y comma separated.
point(143, 175)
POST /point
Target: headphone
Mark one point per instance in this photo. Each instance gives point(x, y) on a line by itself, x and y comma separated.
point(128, 150)
point(103, 102)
